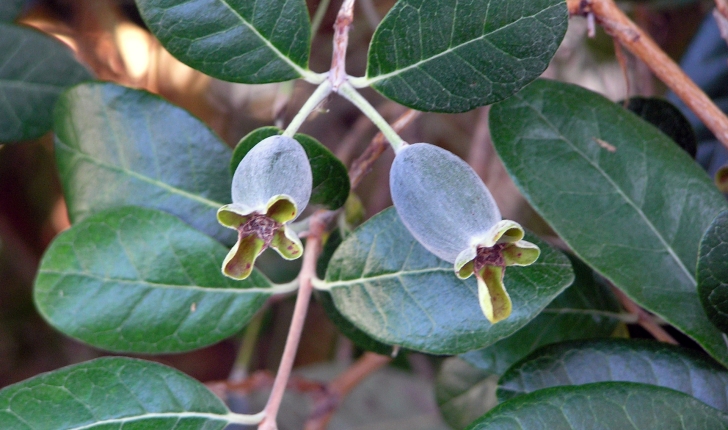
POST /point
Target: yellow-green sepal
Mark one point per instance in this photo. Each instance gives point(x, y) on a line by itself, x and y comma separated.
point(233, 215)
point(287, 244)
point(504, 231)
point(239, 262)
point(281, 208)
point(492, 295)
point(521, 253)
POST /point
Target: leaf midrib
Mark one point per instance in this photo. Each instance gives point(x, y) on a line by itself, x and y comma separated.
point(144, 178)
point(148, 284)
point(348, 282)
point(178, 415)
point(639, 211)
point(301, 71)
point(375, 79)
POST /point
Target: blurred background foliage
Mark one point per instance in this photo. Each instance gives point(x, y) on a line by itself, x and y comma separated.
point(109, 37)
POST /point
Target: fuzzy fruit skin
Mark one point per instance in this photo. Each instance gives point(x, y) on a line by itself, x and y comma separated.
point(277, 165)
point(441, 200)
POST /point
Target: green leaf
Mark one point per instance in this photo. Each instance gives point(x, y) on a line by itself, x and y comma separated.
point(116, 147)
point(619, 192)
point(252, 42)
point(464, 392)
point(587, 309)
point(603, 360)
point(456, 55)
point(713, 272)
point(10, 9)
point(112, 393)
point(330, 177)
point(139, 280)
point(360, 339)
point(666, 117)
point(393, 289)
point(34, 70)
point(604, 406)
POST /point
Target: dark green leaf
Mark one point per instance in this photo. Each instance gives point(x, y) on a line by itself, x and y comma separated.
point(456, 55)
point(648, 362)
point(10, 9)
point(584, 310)
point(464, 392)
point(116, 146)
point(587, 309)
point(139, 280)
point(112, 393)
point(252, 42)
point(619, 192)
point(330, 177)
point(713, 272)
point(393, 289)
point(666, 117)
point(34, 70)
point(604, 406)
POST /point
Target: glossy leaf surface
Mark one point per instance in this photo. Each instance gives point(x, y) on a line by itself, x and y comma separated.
point(628, 360)
point(34, 70)
point(116, 146)
point(139, 280)
point(456, 55)
point(620, 193)
point(330, 177)
point(10, 9)
point(393, 289)
point(606, 406)
point(244, 41)
point(112, 393)
point(713, 272)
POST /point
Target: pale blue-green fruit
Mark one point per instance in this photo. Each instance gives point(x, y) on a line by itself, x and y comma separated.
point(277, 166)
point(441, 200)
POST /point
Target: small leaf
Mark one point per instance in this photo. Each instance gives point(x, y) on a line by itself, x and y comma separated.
point(116, 147)
point(252, 42)
point(667, 118)
point(10, 9)
point(330, 177)
point(393, 289)
point(139, 280)
point(604, 406)
point(112, 393)
point(713, 272)
point(456, 55)
point(464, 392)
point(34, 70)
point(627, 360)
point(636, 214)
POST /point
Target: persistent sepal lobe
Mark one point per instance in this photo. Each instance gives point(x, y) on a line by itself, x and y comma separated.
point(271, 185)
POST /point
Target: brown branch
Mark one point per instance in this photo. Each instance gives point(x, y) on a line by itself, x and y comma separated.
point(363, 164)
point(616, 23)
point(340, 387)
point(644, 319)
point(344, 19)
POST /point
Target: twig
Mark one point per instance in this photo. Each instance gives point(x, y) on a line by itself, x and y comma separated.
point(616, 23)
point(338, 75)
point(340, 387)
point(363, 164)
point(308, 271)
point(643, 318)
